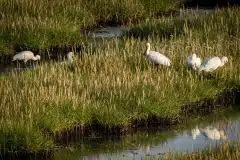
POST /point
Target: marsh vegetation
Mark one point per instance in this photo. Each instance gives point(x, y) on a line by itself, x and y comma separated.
point(43, 25)
point(111, 84)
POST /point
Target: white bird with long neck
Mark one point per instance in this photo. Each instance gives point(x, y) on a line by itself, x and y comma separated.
point(156, 58)
point(212, 64)
point(194, 61)
point(25, 56)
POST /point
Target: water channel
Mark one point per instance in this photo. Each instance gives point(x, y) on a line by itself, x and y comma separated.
point(194, 135)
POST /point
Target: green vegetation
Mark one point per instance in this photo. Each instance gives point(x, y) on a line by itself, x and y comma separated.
point(39, 25)
point(113, 84)
point(226, 151)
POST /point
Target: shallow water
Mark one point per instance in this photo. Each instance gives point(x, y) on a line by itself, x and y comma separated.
point(108, 32)
point(156, 143)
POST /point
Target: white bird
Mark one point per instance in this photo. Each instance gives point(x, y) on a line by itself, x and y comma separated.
point(25, 56)
point(194, 61)
point(68, 59)
point(212, 63)
point(156, 58)
point(211, 133)
point(70, 56)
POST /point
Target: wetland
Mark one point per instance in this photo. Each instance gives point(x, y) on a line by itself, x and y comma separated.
point(110, 88)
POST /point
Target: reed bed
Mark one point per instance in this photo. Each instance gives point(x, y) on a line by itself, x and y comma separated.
point(114, 84)
point(40, 25)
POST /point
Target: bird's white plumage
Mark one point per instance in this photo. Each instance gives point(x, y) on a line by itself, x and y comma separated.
point(70, 56)
point(194, 61)
point(212, 63)
point(25, 56)
point(68, 59)
point(156, 57)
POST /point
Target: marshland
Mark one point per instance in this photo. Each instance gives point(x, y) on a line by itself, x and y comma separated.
point(111, 88)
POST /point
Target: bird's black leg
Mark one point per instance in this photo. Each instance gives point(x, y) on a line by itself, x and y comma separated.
point(18, 64)
point(156, 65)
point(25, 64)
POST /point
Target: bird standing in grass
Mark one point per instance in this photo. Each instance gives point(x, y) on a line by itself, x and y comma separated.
point(212, 64)
point(25, 56)
point(156, 58)
point(193, 61)
point(68, 59)
point(70, 56)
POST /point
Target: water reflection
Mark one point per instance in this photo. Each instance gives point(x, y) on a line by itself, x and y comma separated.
point(194, 132)
point(208, 132)
point(214, 134)
point(160, 143)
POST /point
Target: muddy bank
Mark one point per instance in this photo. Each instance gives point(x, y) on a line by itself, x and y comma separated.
point(207, 106)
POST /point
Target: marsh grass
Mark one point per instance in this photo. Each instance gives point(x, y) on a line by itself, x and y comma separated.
point(40, 25)
point(226, 151)
point(115, 85)
point(224, 21)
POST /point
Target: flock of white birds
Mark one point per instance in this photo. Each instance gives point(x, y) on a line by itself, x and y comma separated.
point(208, 65)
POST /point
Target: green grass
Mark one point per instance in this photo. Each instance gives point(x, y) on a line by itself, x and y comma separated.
point(40, 25)
point(224, 21)
point(114, 84)
point(226, 151)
